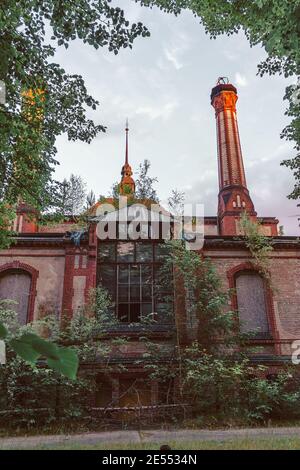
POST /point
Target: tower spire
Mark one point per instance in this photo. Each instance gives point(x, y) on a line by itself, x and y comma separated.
point(127, 185)
point(234, 196)
point(127, 131)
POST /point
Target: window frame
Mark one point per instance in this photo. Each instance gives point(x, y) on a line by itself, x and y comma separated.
point(155, 263)
point(34, 274)
point(255, 334)
point(274, 334)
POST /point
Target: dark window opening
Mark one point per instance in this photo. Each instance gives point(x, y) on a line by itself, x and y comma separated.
point(129, 313)
point(103, 396)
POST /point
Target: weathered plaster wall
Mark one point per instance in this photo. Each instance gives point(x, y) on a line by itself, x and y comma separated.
point(50, 263)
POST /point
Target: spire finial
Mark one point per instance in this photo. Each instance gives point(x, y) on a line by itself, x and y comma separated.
point(223, 81)
point(126, 152)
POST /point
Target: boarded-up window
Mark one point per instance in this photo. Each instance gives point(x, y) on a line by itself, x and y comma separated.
point(15, 285)
point(250, 291)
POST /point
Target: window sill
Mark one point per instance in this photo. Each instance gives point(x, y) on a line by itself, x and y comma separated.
point(138, 329)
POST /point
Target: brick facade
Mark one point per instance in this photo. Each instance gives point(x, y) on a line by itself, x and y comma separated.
point(63, 273)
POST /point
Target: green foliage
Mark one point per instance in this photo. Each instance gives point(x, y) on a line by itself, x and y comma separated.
point(144, 183)
point(292, 133)
point(231, 389)
point(3, 331)
point(7, 216)
point(215, 373)
point(90, 200)
point(35, 391)
point(258, 244)
point(31, 347)
point(204, 295)
point(71, 197)
point(26, 344)
point(30, 33)
point(176, 202)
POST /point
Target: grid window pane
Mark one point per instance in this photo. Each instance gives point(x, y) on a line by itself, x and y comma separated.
point(134, 274)
point(107, 252)
point(123, 274)
point(144, 252)
point(123, 293)
point(146, 293)
point(125, 252)
point(146, 271)
point(135, 294)
point(123, 312)
point(107, 278)
point(161, 251)
point(138, 287)
point(147, 308)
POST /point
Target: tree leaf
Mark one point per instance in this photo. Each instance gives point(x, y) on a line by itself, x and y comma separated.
point(45, 348)
point(24, 348)
point(67, 364)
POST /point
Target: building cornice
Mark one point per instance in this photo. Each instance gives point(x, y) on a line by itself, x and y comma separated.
point(221, 242)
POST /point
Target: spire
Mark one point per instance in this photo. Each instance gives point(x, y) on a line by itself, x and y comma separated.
point(126, 152)
point(127, 185)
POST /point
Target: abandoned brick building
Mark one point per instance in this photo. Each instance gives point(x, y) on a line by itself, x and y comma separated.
point(46, 269)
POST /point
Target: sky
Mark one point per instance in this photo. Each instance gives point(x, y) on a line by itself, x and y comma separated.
point(163, 87)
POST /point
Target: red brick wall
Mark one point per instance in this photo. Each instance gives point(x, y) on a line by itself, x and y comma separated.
point(285, 289)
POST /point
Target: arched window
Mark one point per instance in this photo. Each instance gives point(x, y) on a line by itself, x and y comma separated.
point(251, 304)
point(16, 285)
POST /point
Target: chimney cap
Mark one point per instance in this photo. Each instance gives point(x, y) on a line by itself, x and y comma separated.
point(222, 86)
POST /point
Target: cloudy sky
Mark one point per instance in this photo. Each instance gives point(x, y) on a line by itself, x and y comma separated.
point(163, 86)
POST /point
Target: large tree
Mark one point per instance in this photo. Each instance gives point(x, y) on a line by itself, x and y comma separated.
point(42, 100)
point(275, 24)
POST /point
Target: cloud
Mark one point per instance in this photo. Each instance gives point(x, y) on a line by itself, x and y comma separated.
point(177, 49)
point(240, 80)
point(171, 56)
point(158, 112)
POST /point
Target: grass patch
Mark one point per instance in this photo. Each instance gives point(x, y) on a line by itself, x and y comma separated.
point(259, 443)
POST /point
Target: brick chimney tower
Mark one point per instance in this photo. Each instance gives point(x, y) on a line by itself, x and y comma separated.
point(234, 196)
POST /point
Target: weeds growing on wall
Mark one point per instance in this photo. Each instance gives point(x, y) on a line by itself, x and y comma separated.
point(259, 245)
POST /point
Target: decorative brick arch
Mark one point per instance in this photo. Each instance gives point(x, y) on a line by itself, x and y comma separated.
point(244, 267)
point(34, 274)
